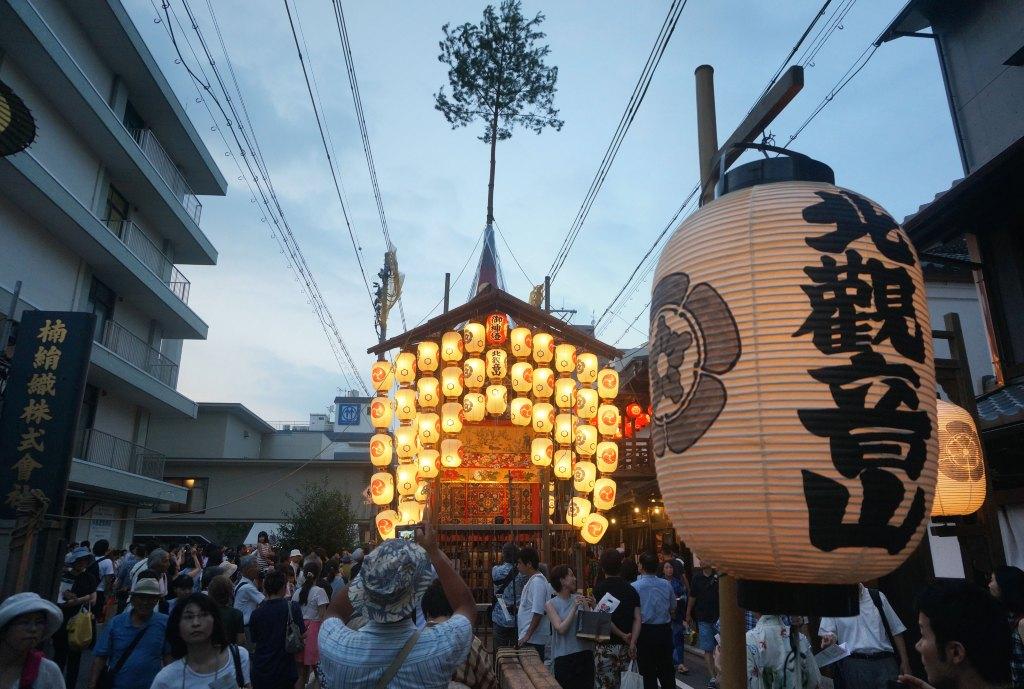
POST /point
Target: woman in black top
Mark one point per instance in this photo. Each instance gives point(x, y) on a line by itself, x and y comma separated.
point(77, 591)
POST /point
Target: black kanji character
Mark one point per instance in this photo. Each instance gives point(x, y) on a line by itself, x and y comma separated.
point(855, 217)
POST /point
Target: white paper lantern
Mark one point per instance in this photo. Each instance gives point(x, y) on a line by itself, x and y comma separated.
point(565, 393)
point(427, 356)
point(586, 403)
point(608, 383)
point(542, 451)
point(551, 504)
point(608, 420)
point(451, 347)
point(497, 365)
point(405, 441)
point(586, 368)
point(410, 512)
point(386, 521)
point(473, 373)
point(563, 464)
point(475, 406)
point(451, 417)
point(473, 337)
point(604, 493)
point(521, 411)
point(428, 428)
point(584, 476)
point(426, 463)
point(521, 342)
point(405, 404)
point(428, 392)
point(497, 399)
point(381, 412)
point(586, 440)
point(405, 368)
point(381, 450)
point(382, 376)
point(543, 383)
point(593, 528)
point(565, 358)
point(452, 381)
point(405, 479)
point(543, 348)
point(577, 511)
point(382, 488)
point(565, 429)
point(422, 493)
point(607, 456)
point(960, 489)
point(522, 377)
point(451, 453)
point(543, 417)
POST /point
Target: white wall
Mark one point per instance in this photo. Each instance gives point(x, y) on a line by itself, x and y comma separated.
point(115, 416)
point(76, 43)
point(962, 299)
point(48, 272)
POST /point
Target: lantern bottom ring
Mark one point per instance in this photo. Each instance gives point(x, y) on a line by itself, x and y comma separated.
point(780, 598)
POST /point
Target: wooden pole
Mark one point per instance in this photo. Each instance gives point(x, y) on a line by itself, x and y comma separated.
point(707, 130)
point(447, 290)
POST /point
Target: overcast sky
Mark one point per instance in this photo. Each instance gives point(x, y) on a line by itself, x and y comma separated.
point(887, 135)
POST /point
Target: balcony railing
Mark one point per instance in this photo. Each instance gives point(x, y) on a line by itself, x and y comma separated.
point(168, 170)
point(151, 256)
point(107, 450)
point(138, 353)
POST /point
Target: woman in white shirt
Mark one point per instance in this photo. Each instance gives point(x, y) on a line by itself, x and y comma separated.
point(313, 600)
point(205, 659)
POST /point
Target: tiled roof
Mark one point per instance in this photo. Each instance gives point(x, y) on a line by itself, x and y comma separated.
point(1002, 406)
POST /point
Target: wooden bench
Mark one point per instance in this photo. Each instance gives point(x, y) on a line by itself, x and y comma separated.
point(522, 668)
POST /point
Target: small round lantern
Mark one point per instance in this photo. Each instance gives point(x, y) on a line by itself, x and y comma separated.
point(593, 528)
point(381, 412)
point(608, 383)
point(473, 338)
point(565, 358)
point(586, 440)
point(475, 406)
point(521, 411)
point(405, 442)
point(604, 493)
point(586, 368)
point(405, 479)
point(497, 399)
point(522, 377)
point(543, 417)
point(565, 427)
point(577, 511)
point(584, 476)
point(426, 463)
point(521, 342)
point(386, 521)
point(428, 392)
point(543, 383)
point(451, 417)
point(382, 376)
point(586, 403)
point(427, 356)
point(565, 393)
point(543, 348)
point(633, 410)
point(410, 512)
point(422, 491)
point(428, 428)
point(382, 488)
point(452, 381)
point(496, 325)
point(381, 450)
point(451, 453)
point(542, 451)
point(405, 368)
point(452, 347)
point(405, 404)
point(608, 420)
point(473, 373)
point(563, 464)
point(607, 457)
point(960, 489)
point(497, 365)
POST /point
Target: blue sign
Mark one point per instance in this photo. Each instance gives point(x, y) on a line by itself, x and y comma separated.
point(348, 414)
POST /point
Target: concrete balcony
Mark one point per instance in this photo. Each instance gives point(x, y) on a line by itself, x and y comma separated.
point(168, 170)
point(106, 464)
point(151, 256)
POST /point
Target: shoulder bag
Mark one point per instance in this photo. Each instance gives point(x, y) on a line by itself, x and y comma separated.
point(293, 641)
point(237, 659)
point(396, 664)
point(109, 674)
point(876, 598)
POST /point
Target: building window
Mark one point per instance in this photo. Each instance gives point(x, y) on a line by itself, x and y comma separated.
point(86, 418)
point(197, 489)
point(133, 122)
point(116, 211)
point(101, 303)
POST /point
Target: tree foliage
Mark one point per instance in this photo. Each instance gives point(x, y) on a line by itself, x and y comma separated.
point(321, 516)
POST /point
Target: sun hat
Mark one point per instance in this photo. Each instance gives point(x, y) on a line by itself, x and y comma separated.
point(24, 603)
point(295, 553)
point(146, 587)
point(391, 581)
point(79, 553)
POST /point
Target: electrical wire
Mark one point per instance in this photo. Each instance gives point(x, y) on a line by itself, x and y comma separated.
point(512, 253)
point(854, 69)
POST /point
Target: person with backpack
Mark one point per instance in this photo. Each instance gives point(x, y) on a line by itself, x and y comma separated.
point(26, 620)
point(275, 629)
point(204, 656)
point(508, 589)
point(130, 651)
point(874, 638)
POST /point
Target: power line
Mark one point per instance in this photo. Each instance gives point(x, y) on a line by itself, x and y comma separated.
point(854, 69)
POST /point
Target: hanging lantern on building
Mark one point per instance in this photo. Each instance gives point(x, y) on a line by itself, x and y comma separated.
point(452, 347)
point(577, 511)
point(451, 453)
point(473, 338)
point(586, 368)
point(551, 504)
point(521, 342)
point(594, 528)
point(565, 358)
point(543, 417)
point(497, 399)
point(543, 383)
point(428, 392)
point(608, 420)
point(382, 376)
point(522, 377)
point(381, 412)
point(608, 383)
point(452, 381)
point(633, 410)
point(405, 442)
point(422, 491)
point(960, 489)
point(563, 464)
point(381, 450)
point(405, 404)
point(451, 417)
point(473, 373)
point(521, 411)
point(584, 476)
point(586, 439)
point(382, 488)
point(497, 365)
point(405, 368)
point(586, 403)
point(427, 356)
point(428, 428)
point(405, 479)
point(543, 348)
point(475, 406)
point(497, 329)
point(793, 388)
point(542, 451)
point(642, 421)
point(410, 512)
point(386, 521)
point(565, 393)
point(604, 493)
point(426, 463)
point(607, 457)
point(565, 429)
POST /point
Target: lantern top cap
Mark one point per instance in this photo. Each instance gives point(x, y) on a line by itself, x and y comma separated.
point(789, 166)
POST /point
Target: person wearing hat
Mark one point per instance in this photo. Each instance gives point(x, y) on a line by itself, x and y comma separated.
point(389, 648)
point(77, 591)
point(26, 620)
point(132, 646)
point(295, 561)
point(357, 563)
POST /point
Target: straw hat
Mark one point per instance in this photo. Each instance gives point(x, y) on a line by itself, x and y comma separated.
point(24, 603)
point(146, 587)
point(391, 581)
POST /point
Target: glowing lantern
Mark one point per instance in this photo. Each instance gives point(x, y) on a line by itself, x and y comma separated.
point(795, 404)
point(386, 521)
point(451, 453)
point(428, 392)
point(584, 476)
point(405, 479)
point(381, 450)
point(428, 428)
point(593, 528)
point(543, 417)
point(496, 325)
point(405, 442)
point(542, 452)
point(565, 393)
point(563, 464)
point(475, 406)
point(521, 411)
point(451, 381)
point(551, 504)
point(577, 511)
point(405, 368)
point(497, 399)
point(522, 376)
point(642, 421)
point(543, 383)
point(473, 337)
point(565, 358)
point(422, 491)
point(543, 348)
point(473, 373)
point(608, 383)
point(586, 368)
point(607, 457)
point(521, 342)
point(451, 347)
point(586, 440)
point(608, 419)
point(565, 426)
point(451, 417)
point(961, 486)
point(382, 376)
point(410, 512)
point(405, 404)
point(497, 364)
point(604, 493)
point(426, 463)
point(382, 488)
point(426, 356)
point(586, 403)
point(633, 410)
point(380, 412)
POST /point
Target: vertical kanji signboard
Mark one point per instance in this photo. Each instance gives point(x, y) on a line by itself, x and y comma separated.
point(40, 410)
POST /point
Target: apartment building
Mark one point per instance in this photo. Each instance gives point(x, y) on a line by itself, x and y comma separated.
point(102, 214)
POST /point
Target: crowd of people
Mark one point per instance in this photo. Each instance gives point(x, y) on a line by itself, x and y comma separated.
point(401, 616)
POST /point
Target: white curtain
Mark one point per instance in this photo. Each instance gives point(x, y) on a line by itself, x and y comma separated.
point(1011, 526)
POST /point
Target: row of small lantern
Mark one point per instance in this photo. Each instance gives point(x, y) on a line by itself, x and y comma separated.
point(424, 439)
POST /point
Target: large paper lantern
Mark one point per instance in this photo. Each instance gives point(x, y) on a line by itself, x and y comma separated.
point(428, 428)
point(405, 404)
point(428, 392)
point(542, 451)
point(386, 521)
point(410, 512)
point(584, 476)
point(565, 358)
point(451, 417)
point(521, 411)
point(497, 399)
point(604, 493)
point(522, 376)
point(405, 368)
point(427, 356)
point(473, 337)
point(543, 383)
point(791, 361)
point(422, 493)
point(586, 439)
point(586, 403)
point(381, 450)
point(451, 453)
point(577, 511)
point(565, 429)
point(475, 406)
point(405, 479)
point(563, 464)
point(608, 419)
point(521, 342)
point(405, 442)
point(426, 463)
point(452, 347)
point(543, 417)
point(543, 348)
point(497, 364)
point(593, 528)
point(960, 489)
point(607, 457)
point(565, 393)
point(381, 412)
point(382, 488)
point(473, 373)
point(496, 325)
point(451, 381)
point(608, 383)
point(382, 376)
point(586, 368)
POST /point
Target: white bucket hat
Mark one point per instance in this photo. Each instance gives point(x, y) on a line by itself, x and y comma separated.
point(24, 603)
